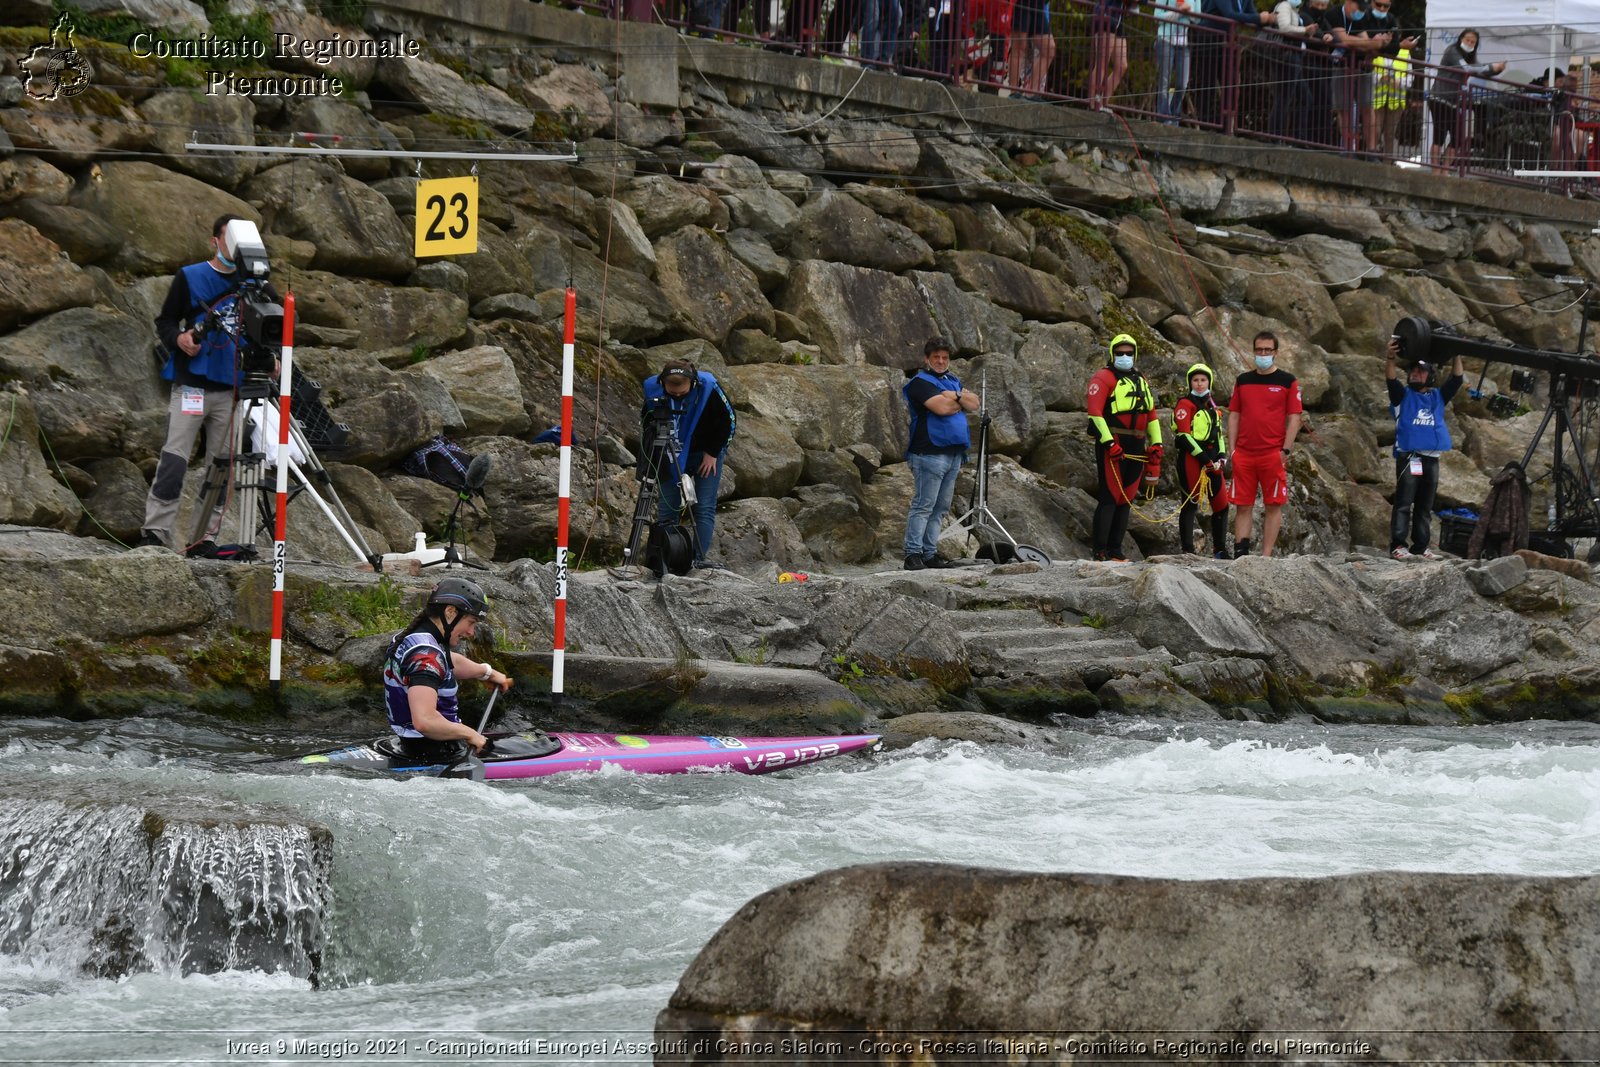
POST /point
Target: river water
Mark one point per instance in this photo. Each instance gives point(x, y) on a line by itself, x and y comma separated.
point(565, 909)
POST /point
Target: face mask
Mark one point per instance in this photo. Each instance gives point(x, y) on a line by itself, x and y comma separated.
point(1265, 362)
point(1201, 392)
point(227, 264)
point(1122, 362)
point(1295, 4)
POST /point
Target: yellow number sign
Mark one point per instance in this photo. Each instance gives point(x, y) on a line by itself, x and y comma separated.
point(447, 217)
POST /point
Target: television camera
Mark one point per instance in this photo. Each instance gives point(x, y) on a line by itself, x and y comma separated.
point(254, 318)
point(1572, 409)
point(669, 545)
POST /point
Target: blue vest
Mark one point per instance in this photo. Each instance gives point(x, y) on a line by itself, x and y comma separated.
point(394, 688)
point(218, 358)
point(693, 404)
point(1419, 422)
point(944, 431)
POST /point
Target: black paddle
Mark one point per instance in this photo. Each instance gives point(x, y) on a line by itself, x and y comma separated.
point(466, 755)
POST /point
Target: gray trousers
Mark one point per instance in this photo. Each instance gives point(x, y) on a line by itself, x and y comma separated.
point(166, 490)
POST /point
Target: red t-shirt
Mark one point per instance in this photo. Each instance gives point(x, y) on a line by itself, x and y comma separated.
point(1264, 403)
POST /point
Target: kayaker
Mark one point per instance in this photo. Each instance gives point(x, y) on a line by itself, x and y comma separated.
point(420, 672)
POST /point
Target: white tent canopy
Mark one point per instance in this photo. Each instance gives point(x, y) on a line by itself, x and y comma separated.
point(1527, 34)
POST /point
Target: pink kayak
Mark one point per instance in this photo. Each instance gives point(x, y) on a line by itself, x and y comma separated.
point(534, 755)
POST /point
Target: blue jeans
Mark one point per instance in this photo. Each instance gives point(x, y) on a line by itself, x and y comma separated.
point(935, 484)
point(879, 23)
point(705, 502)
point(1172, 77)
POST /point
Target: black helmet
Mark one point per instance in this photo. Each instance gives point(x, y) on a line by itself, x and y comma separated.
point(1427, 368)
point(460, 593)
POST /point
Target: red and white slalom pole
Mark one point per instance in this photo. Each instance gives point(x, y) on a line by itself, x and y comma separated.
point(564, 500)
point(280, 524)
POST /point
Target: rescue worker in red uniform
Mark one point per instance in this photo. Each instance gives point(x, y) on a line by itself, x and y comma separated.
point(1122, 413)
point(1198, 430)
point(1263, 419)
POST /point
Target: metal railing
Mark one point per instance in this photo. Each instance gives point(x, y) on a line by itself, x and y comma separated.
point(1195, 70)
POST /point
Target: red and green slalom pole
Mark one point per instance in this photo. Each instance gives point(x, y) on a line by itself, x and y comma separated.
point(564, 500)
point(280, 523)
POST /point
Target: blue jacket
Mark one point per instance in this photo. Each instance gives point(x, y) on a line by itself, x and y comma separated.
point(1419, 418)
point(944, 431)
point(703, 429)
point(218, 358)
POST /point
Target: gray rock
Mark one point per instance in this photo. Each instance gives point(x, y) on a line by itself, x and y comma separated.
point(387, 316)
point(508, 306)
point(1496, 244)
point(838, 227)
point(871, 149)
point(858, 316)
point(1249, 199)
point(33, 497)
point(914, 951)
point(709, 290)
point(982, 228)
point(766, 456)
point(86, 238)
point(40, 279)
point(824, 408)
point(355, 230)
point(1340, 265)
point(1177, 610)
point(1327, 209)
point(179, 117)
point(628, 244)
point(766, 211)
point(967, 321)
point(1032, 293)
point(28, 177)
point(751, 249)
point(440, 274)
point(662, 205)
point(1156, 696)
point(355, 129)
point(483, 383)
point(448, 93)
point(138, 198)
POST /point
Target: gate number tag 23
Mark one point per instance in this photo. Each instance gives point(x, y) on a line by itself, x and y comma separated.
point(447, 217)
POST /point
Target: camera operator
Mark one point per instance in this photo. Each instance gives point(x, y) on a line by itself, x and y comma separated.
point(700, 412)
point(199, 330)
point(1420, 438)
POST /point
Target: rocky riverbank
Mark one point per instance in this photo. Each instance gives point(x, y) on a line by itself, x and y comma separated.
point(800, 234)
point(94, 631)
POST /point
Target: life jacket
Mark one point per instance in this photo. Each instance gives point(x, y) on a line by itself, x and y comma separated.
point(1205, 425)
point(1127, 399)
point(394, 687)
point(690, 407)
point(1419, 422)
point(218, 358)
point(944, 431)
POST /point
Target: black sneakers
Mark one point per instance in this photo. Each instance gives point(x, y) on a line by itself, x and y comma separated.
point(916, 563)
point(148, 540)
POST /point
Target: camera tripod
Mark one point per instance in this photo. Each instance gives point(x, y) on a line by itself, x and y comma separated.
point(978, 519)
point(477, 474)
point(247, 468)
point(670, 546)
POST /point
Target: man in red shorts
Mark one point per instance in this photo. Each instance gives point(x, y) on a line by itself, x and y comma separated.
point(1263, 418)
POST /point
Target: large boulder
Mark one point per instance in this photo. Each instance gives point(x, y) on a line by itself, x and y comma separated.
point(84, 237)
point(766, 458)
point(39, 278)
point(180, 117)
point(894, 961)
point(1032, 293)
point(354, 128)
point(709, 290)
point(355, 229)
point(1075, 252)
point(442, 90)
point(1292, 294)
point(138, 198)
point(78, 129)
point(27, 177)
point(865, 148)
point(574, 94)
point(662, 204)
point(483, 383)
point(858, 316)
point(385, 316)
point(824, 408)
point(838, 227)
point(966, 320)
point(33, 497)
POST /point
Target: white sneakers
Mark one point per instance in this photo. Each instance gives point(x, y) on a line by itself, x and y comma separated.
point(1403, 553)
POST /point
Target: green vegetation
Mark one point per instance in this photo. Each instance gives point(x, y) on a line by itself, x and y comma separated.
point(1093, 243)
point(379, 608)
point(420, 353)
point(848, 668)
point(756, 654)
point(342, 12)
point(238, 660)
point(1095, 621)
